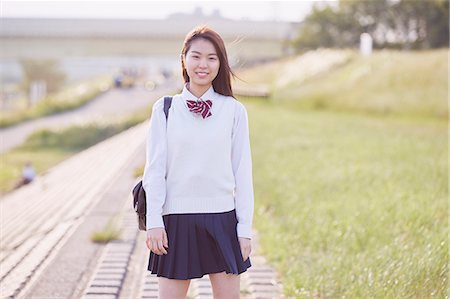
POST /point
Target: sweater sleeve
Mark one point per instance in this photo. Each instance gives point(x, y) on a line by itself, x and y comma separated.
point(154, 178)
point(242, 168)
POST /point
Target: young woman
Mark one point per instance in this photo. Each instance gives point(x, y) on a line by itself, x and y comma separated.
point(198, 177)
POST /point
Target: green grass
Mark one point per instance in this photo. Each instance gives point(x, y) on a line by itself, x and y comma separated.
point(387, 83)
point(46, 148)
point(70, 98)
point(13, 161)
point(350, 205)
point(139, 171)
point(110, 232)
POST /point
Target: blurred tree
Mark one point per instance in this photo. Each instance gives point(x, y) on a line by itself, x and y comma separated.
point(46, 70)
point(406, 24)
point(326, 27)
point(421, 24)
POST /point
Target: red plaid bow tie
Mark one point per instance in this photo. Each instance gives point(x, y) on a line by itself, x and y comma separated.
point(200, 107)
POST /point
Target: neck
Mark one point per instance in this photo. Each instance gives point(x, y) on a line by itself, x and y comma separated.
point(197, 90)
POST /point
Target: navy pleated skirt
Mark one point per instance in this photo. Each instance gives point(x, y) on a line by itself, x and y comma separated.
point(199, 244)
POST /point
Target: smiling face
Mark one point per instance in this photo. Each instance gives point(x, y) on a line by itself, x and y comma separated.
point(201, 63)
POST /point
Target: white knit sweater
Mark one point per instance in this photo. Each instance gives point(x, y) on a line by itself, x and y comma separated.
point(197, 165)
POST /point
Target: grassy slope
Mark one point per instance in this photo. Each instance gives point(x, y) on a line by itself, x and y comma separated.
point(357, 202)
point(389, 82)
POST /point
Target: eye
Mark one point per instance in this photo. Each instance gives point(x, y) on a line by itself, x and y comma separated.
point(195, 56)
point(212, 58)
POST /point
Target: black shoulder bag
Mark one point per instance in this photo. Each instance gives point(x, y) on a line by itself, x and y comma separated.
point(139, 198)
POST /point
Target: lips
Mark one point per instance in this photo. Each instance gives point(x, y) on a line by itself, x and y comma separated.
point(201, 74)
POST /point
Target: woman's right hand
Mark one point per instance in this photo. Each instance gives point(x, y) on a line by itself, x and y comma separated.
point(157, 240)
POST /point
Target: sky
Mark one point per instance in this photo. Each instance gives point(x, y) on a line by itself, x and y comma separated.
point(252, 10)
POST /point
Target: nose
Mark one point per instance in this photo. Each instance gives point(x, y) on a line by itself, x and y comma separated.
point(202, 63)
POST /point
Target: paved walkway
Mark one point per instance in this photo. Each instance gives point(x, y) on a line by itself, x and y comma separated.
point(45, 229)
point(36, 219)
point(113, 103)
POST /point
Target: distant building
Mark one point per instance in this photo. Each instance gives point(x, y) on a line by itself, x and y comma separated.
point(32, 37)
point(90, 46)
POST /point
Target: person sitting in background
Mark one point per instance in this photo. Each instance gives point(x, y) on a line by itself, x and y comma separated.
point(28, 175)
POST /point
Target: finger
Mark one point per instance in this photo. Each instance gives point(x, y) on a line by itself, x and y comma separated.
point(165, 239)
point(155, 247)
point(149, 244)
point(245, 257)
point(247, 254)
point(161, 247)
point(244, 252)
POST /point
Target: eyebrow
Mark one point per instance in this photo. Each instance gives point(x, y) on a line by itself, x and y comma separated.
point(196, 52)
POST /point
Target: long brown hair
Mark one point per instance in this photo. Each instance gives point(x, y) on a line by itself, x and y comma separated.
point(222, 82)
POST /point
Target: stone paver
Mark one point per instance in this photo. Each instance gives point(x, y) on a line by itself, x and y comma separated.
point(115, 259)
point(259, 281)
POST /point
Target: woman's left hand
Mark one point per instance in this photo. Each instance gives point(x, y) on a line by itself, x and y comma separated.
point(246, 247)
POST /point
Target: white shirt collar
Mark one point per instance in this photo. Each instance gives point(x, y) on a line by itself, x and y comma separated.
point(210, 94)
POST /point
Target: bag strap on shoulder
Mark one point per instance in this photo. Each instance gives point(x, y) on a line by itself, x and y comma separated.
point(167, 103)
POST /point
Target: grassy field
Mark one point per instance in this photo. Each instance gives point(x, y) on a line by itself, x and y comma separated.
point(357, 205)
point(353, 202)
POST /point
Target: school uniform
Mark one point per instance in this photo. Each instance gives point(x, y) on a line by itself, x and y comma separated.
point(199, 186)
